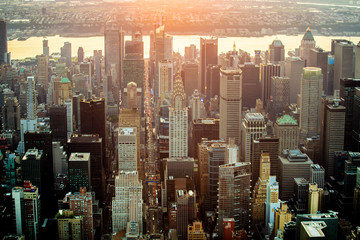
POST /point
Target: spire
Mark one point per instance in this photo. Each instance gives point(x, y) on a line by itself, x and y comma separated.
point(234, 47)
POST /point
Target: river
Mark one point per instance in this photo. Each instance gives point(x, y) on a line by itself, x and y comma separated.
point(33, 46)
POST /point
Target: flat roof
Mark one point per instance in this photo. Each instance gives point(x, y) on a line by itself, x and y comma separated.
point(79, 157)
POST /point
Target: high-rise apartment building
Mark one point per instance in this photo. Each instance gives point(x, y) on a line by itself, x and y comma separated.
point(208, 56)
point(307, 43)
point(347, 93)
point(267, 71)
point(253, 127)
point(250, 84)
point(234, 188)
point(127, 203)
point(31, 98)
point(276, 51)
point(230, 104)
point(178, 121)
point(81, 203)
point(293, 70)
point(79, 171)
point(311, 94)
point(127, 149)
point(286, 128)
point(343, 61)
point(293, 164)
point(332, 132)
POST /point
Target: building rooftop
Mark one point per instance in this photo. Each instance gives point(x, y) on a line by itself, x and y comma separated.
point(79, 157)
point(314, 229)
point(286, 120)
point(254, 117)
point(65, 80)
point(308, 35)
point(277, 43)
point(127, 130)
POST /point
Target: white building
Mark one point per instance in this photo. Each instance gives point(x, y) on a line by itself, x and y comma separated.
point(253, 127)
point(232, 152)
point(178, 121)
point(127, 203)
point(18, 199)
point(127, 149)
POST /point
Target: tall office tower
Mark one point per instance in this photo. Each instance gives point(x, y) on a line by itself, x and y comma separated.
point(131, 96)
point(69, 117)
point(10, 171)
point(276, 51)
point(11, 114)
point(356, 122)
point(230, 104)
point(262, 145)
point(232, 152)
point(85, 68)
point(267, 71)
point(311, 94)
point(250, 84)
point(3, 41)
point(79, 171)
point(31, 98)
point(190, 53)
point(283, 215)
point(203, 166)
point(31, 211)
point(43, 71)
point(332, 133)
point(213, 75)
point(271, 204)
point(186, 212)
point(208, 56)
point(165, 76)
point(82, 204)
point(46, 51)
point(66, 53)
point(357, 61)
point(330, 74)
point(307, 43)
point(127, 203)
point(347, 93)
point(127, 149)
point(60, 165)
point(301, 189)
point(319, 58)
point(343, 61)
point(114, 51)
point(91, 144)
point(191, 77)
point(58, 123)
point(259, 192)
point(293, 164)
point(257, 58)
point(356, 201)
point(178, 121)
point(17, 194)
point(216, 158)
point(62, 90)
point(134, 70)
point(80, 55)
point(80, 84)
point(32, 167)
point(314, 195)
point(134, 48)
point(69, 226)
point(317, 175)
point(76, 110)
point(97, 65)
point(196, 231)
point(293, 70)
point(92, 117)
point(197, 106)
point(234, 188)
point(252, 128)
point(280, 95)
point(286, 128)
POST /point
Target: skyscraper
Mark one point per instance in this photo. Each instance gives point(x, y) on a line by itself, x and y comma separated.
point(46, 48)
point(357, 60)
point(319, 58)
point(317, 175)
point(127, 149)
point(66, 53)
point(190, 77)
point(307, 43)
point(250, 84)
point(3, 41)
point(204, 128)
point(32, 167)
point(276, 51)
point(80, 55)
point(293, 70)
point(62, 90)
point(272, 203)
point(286, 128)
point(11, 114)
point(197, 106)
point(31, 211)
point(314, 195)
point(43, 71)
point(356, 122)
point(280, 95)
point(208, 55)
point(230, 103)
point(311, 93)
point(178, 121)
point(252, 128)
point(79, 171)
point(31, 98)
point(165, 76)
point(186, 209)
point(114, 51)
point(267, 71)
point(343, 61)
point(332, 132)
point(234, 188)
point(58, 123)
point(127, 203)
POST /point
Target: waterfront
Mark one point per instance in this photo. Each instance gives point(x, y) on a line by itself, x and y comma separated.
point(33, 46)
